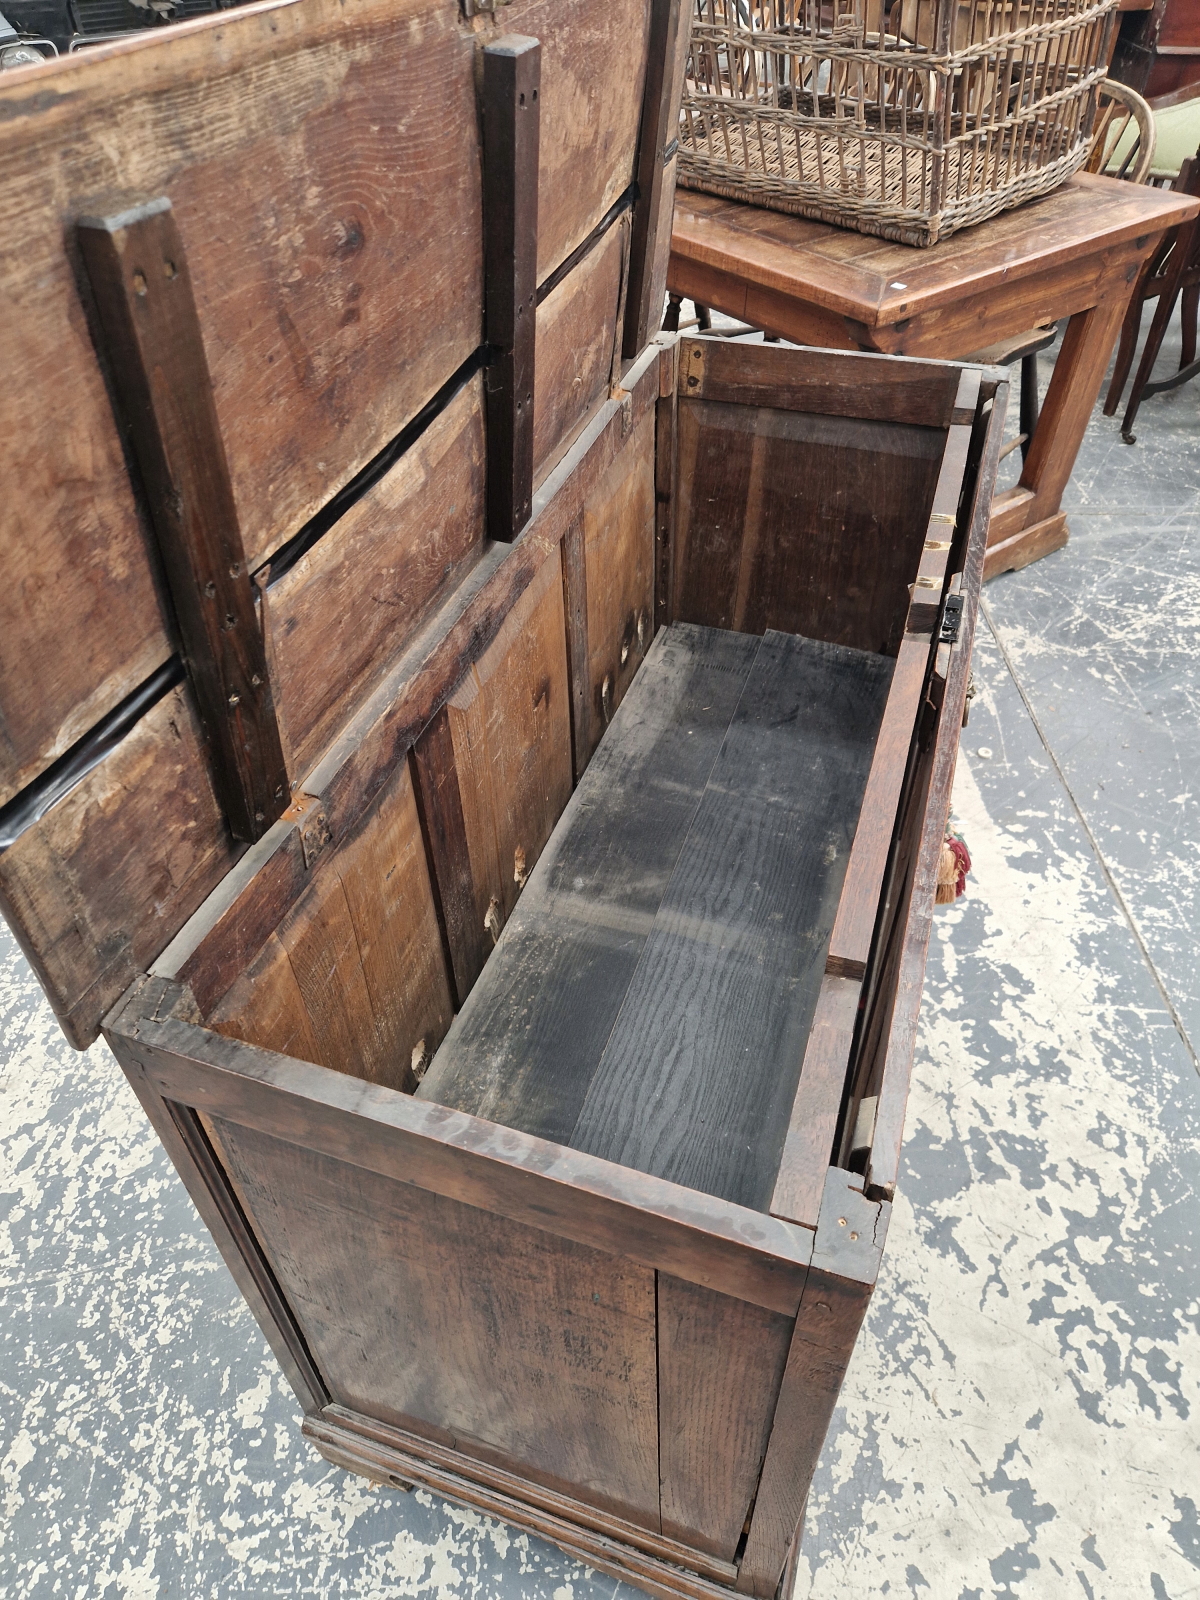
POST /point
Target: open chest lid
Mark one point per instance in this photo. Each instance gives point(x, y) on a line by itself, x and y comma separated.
point(304, 301)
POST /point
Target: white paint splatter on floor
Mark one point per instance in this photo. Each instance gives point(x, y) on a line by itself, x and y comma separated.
point(1022, 1415)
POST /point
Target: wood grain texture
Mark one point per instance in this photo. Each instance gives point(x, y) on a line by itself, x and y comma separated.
point(340, 618)
point(890, 999)
point(593, 69)
point(576, 332)
point(354, 977)
point(315, 311)
point(265, 1006)
point(695, 1237)
point(379, 736)
point(720, 1364)
point(824, 382)
point(363, 758)
point(827, 1324)
point(138, 271)
point(882, 284)
point(508, 1342)
point(98, 886)
point(439, 801)
point(235, 921)
point(700, 1070)
point(618, 537)
point(670, 29)
point(812, 1125)
point(511, 731)
point(525, 1045)
point(774, 530)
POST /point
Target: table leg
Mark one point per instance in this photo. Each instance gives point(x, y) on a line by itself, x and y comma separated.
point(1026, 521)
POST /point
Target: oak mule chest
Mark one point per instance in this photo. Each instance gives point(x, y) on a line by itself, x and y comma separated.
point(481, 762)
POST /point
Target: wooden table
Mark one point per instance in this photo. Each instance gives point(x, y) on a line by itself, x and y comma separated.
point(1075, 253)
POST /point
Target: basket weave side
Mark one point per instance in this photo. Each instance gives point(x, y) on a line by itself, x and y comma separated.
point(911, 140)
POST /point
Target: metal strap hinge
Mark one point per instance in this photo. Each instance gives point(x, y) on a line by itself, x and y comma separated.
point(951, 619)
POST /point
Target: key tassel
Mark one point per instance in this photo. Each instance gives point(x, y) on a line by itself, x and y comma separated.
point(953, 867)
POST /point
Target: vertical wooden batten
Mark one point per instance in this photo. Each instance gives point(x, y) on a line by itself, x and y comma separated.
point(512, 67)
point(138, 271)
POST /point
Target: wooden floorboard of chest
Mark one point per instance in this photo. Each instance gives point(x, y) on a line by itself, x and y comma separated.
point(525, 1045)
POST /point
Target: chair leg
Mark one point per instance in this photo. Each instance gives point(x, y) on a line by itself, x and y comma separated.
point(1130, 329)
point(1029, 400)
point(1162, 316)
point(1154, 343)
point(671, 320)
point(1189, 305)
point(703, 318)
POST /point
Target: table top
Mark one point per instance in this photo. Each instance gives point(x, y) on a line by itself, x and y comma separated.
point(878, 282)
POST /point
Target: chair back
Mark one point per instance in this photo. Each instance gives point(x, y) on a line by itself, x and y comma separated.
point(1124, 136)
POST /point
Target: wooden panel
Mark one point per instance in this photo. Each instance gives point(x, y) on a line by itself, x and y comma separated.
point(618, 536)
point(315, 310)
point(513, 1343)
point(701, 1067)
point(693, 1236)
point(720, 1364)
point(338, 619)
point(576, 333)
point(209, 953)
point(95, 889)
point(831, 1313)
point(385, 879)
point(525, 1045)
point(266, 1007)
point(355, 976)
point(829, 385)
point(593, 68)
point(774, 528)
point(420, 682)
point(511, 729)
point(610, 617)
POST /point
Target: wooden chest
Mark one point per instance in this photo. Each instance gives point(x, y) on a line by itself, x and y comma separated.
point(483, 763)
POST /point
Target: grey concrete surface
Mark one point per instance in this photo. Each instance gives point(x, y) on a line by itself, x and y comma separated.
point(1021, 1418)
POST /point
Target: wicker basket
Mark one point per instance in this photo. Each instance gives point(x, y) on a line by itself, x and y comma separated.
point(908, 122)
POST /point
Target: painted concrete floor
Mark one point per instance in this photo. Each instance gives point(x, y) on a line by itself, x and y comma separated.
point(1022, 1416)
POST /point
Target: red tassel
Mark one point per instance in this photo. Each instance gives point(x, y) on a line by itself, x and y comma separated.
point(953, 866)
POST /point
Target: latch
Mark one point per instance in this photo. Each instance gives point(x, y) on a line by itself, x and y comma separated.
point(951, 619)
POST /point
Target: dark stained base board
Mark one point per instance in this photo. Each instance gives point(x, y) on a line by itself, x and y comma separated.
point(401, 1460)
point(649, 999)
